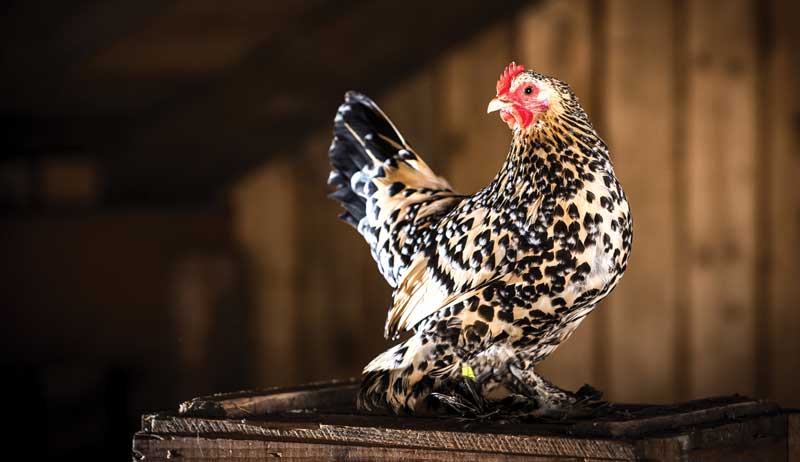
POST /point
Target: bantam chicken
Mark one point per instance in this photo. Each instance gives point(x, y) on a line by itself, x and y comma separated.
point(491, 283)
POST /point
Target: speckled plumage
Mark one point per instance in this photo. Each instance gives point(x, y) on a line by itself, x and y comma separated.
point(496, 280)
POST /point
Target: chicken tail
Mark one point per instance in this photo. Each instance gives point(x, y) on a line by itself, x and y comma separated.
point(387, 191)
point(364, 142)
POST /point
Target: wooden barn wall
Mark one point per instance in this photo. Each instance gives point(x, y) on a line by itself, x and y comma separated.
point(699, 103)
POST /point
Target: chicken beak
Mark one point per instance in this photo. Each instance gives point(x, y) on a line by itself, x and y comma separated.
point(496, 104)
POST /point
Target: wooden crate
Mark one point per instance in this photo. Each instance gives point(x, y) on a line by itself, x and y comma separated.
point(316, 422)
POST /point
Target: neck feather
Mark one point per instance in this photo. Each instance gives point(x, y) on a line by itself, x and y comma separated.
point(543, 161)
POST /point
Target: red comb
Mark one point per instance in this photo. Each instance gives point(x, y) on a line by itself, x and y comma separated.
point(504, 82)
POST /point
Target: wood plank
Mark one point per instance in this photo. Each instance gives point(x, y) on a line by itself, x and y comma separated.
point(206, 320)
point(597, 97)
point(639, 121)
point(331, 403)
point(762, 439)
point(793, 435)
point(326, 395)
point(663, 449)
point(264, 208)
point(148, 447)
point(678, 417)
point(63, 305)
point(315, 298)
point(554, 38)
point(721, 160)
point(404, 435)
point(317, 236)
point(723, 428)
point(782, 137)
point(330, 286)
point(757, 438)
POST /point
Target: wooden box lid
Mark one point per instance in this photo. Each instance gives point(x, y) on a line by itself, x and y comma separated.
point(319, 421)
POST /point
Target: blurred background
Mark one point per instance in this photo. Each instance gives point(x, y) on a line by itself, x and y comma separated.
point(162, 187)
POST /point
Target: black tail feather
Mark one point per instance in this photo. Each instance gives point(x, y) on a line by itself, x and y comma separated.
point(363, 136)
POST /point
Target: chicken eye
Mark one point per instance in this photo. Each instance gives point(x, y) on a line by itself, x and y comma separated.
point(528, 90)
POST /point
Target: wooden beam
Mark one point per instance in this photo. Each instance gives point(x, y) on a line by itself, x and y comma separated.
point(639, 120)
point(243, 404)
point(722, 156)
point(779, 233)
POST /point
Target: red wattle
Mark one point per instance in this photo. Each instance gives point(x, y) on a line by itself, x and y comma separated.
point(524, 117)
point(516, 115)
point(508, 118)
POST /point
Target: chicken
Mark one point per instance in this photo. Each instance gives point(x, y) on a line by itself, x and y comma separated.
point(489, 284)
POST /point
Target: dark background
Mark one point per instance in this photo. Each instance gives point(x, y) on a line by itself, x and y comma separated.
point(166, 232)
